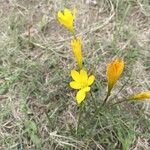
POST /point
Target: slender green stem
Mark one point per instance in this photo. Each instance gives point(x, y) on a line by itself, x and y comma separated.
point(124, 100)
point(94, 102)
point(79, 118)
point(74, 35)
point(122, 87)
point(48, 118)
point(107, 96)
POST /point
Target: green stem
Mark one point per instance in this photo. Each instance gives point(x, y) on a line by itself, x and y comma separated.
point(122, 87)
point(48, 118)
point(94, 102)
point(107, 96)
point(124, 100)
point(73, 33)
point(79, 118)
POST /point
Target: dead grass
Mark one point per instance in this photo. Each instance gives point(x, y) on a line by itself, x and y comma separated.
point(38, 110)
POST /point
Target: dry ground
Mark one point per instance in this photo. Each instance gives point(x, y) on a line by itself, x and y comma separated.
point(37, 107)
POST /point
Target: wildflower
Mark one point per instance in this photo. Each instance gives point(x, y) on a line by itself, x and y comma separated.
point(76, 47)
point(114, 71)
point(141, 96)
point(66, 18)
point(82, 83)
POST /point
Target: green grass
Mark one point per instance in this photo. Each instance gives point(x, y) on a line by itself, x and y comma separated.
point(38, 108)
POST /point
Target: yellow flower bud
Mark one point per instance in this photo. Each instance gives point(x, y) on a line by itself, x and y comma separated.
point(141, 96)
point(66, 18)
point(114, 71)
point(77, 51)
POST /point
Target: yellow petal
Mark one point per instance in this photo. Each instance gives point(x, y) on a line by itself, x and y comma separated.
point(60, 14)
point(83, 76)
point(80, 96)
point(60, 17)
point(91, 80)
point(68, 14)
point(75, 85)
point(114, 71)
point(77, 51)
point(75, 75)
point(86, 89)
point(141, 96)
point(66, 19)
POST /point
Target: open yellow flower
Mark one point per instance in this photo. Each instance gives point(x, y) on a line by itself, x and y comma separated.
point(66, 18)
point(114, 71)
point(141, 96)
point(82, 83)
point(77, 51)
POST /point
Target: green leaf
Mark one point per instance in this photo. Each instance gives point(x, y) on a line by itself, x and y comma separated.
point(36, 141)
point(30, 127)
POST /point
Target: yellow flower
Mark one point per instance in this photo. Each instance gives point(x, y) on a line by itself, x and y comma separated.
point(77, 51)
point(82, 83)
point(114, 71)
point(141, 96)
point(66, 18)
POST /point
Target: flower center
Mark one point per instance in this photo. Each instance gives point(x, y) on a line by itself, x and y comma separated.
point(84, 84)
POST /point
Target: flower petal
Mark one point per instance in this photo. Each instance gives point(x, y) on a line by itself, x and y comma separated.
point(68, 14)
point(86, 89)
point(114, 71)
point(80, 96)
point(91, 79)
point(75, 75)
point(60, 14)
point(83, 76)
point(75, 85)
point(141, 96)
point(60, 17)
point(77, 51)
point(66, 18)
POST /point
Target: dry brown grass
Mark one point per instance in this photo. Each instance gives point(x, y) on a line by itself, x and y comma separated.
point(36, 59)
